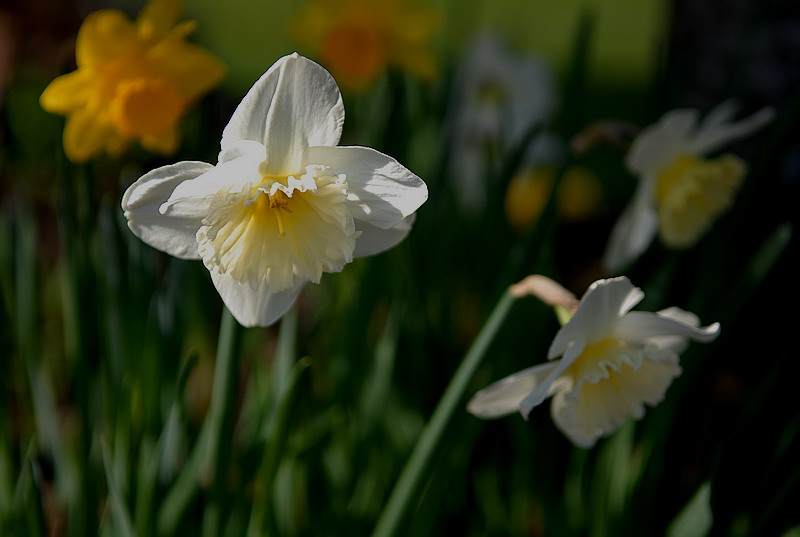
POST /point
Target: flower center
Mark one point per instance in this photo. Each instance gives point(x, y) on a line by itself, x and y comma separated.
point(691, 193)
point(601, 361)
point(143, 106)
point(282, 231)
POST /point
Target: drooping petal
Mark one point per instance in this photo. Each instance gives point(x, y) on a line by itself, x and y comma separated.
point(381, 191)
point(642, 327)
point(67, 92)
point(294, 105)
point(599, 309)
point(598, 409)
point(712, 135)
point(105, 36)
point(86, 133)
point(173, 233)
point(254, 307)
point(674, 343)
point(237, 172)
point(374, 240)
point(657, 145)
point(505, 396)
point(635, 229)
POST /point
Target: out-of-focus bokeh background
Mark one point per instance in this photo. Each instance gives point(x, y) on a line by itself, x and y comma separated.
point(108, 347)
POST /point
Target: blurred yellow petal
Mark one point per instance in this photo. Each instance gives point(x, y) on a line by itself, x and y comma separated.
point(526, 196)
point(579, 194)
point(163, 143)
point(193, 70)
point(86, 134)
point(105, 36)
point(67, 93)
point(157, 18)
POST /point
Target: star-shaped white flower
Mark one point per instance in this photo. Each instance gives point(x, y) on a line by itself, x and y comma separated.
point(681, 193)
point(284, 203)
point(613, 360)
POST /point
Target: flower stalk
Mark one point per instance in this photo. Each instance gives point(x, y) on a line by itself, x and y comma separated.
point(409, 480)
point(220, 417)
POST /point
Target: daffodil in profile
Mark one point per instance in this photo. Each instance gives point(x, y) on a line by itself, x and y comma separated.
point(135, 81)
point(284, 203)
point(681, 190)
point(358, 40)
point(612, 362)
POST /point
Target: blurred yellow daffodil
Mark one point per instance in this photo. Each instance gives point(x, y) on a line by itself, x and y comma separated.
point(135, 81)
point(578, 197)
point(284, 203)
point(358, 39)
point(613, 361)
point(681, 192)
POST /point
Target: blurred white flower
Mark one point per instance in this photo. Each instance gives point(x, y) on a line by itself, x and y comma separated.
point(681, 193)
point(613, 360)
point(497, 98)
point(283, 204)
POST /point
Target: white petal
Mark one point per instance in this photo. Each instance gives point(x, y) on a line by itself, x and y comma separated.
point(634, 231)
point(254, 307)
point(598, 409)
point(294, 105)
point(543, 388)
point(646, 327)
point(242, 148)
point(712, 136)
point(659, 144)
point(381, 191)
point(721, 114)
point(224, 176)
point(171, 233)
point(505, 396)
point(374, 240)
point(598, 311)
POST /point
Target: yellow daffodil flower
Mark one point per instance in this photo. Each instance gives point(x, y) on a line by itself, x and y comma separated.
point(613, 361)
point(357, 40)
point(134, 81)
point(681, 191)
point(284, 203)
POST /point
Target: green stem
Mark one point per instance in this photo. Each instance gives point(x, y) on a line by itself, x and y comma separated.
point(410, 477)
point(220, 419)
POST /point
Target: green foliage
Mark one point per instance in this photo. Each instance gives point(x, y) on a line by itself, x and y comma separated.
point(126, 413)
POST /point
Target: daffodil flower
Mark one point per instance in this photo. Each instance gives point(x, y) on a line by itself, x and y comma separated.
point(613, 361)
point(284, 203)
point(681, 192)
point(135, 81)
point(359, 39)
point(497, 97)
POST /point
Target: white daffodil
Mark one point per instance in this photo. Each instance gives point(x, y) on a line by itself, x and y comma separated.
point(497, 97)
point(681, 193)
point(284, 203)
point(613, 360)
